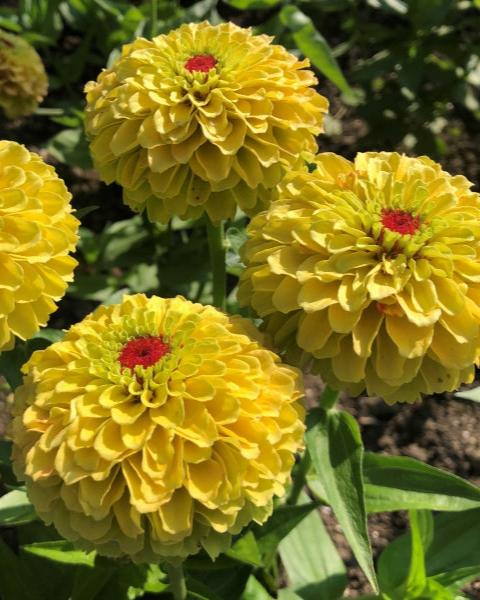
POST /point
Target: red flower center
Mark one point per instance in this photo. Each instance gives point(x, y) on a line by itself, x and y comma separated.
point(144, 351)
point(201, 62)
point(400, 221)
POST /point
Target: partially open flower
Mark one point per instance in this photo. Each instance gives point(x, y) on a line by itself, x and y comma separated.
point(205, 118)
point(373, 269)
point(23, 81)
point(156, 427)
point(37, 233)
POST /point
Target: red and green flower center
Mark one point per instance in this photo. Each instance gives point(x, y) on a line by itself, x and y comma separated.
point(144, 351)
point(400, 221)
point(201, 62)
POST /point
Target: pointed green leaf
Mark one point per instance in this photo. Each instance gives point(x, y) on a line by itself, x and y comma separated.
point(11, 363)
point(282, 521)
point(335, 446)
point(417, 576)
point(454, 546)
point(314, 46)
point(12, 584)
point(16, 509)
point(254, 590)
point(50, 335)
point(61, 551)
point(288, 594)
point(400, 482)
point(314, 568)
point(88, 583)
point(246, 550)
point(455, 580)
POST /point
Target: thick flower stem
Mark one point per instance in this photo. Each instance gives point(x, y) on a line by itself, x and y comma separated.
point(176, 579)
point(216, 246)
point(299, 478)
point(329, 398)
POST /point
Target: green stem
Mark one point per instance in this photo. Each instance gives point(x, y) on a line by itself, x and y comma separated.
point(153, 17)
point(176, 579)
point(216, 246)
point(49, 112)
point(329, 398)
point(299, 478)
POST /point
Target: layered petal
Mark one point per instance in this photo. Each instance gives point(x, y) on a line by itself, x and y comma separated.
point(203, 119)
point(170, 425)
point(370, 270)
point(37, 235)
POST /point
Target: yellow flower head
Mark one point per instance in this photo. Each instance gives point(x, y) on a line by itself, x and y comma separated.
point(23, 81)
point(202, 119)
point(37, 232)
point(372, 268)
point(156, 427)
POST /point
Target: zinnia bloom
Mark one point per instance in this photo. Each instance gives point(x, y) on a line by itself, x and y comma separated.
point(23, 81)
point(205, 118)
point(372, 268)
point(156, 427)
point(37, 232)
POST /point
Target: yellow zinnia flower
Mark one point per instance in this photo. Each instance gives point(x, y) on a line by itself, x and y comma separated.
point(202, 119)
point(156, 427)
point(372, 268)
point(23, 81)
point(37, 232)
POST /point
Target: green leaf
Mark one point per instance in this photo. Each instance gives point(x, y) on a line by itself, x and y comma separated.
point(417, 577)
point(71, 148)
point(432, 591)
point(402, 580)
point(142, 278)
point(87, 585)
point(5, 452)
point(473, 395)
point(234, 238)
point(16, 509)
point(253, 4)
point(428, 13)
point(335, 446)
point(11, 363)
point(314, 568)
point(393, 6)
point(246, 550)
point(454, 546)
point(61, 551)
point(314, 46)
point(254, 590)
point(288, 594)
point(82, 212)
point(120, 237)
point(199, 590)
point(10, 24)
point(12, 584)
point(400, 482)
point(130, 581)
point(458, 578)
point(49, 335)
point(282, 521)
